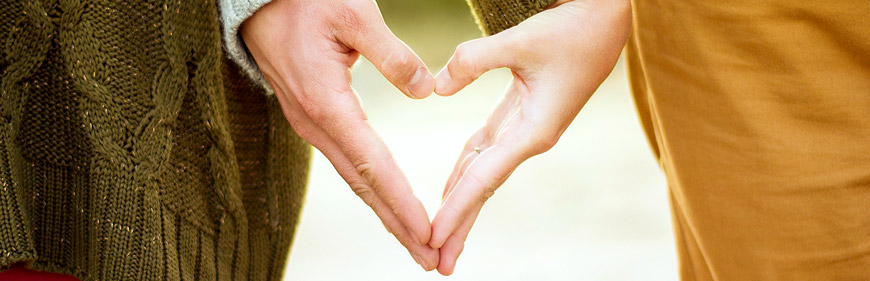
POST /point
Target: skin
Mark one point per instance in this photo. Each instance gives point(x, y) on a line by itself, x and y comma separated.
point(305, 49)
point(558, 58)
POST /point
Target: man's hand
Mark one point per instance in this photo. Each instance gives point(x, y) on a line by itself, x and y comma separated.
point(305, 49)
point(559, 57)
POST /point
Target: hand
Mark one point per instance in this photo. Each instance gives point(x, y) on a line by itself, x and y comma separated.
point(305, 49)
point(558, 57)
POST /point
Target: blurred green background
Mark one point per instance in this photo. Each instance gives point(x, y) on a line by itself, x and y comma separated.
point(592, 208)
point(432, 28)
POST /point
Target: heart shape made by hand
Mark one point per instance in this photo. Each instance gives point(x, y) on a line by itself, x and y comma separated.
point(306, 49)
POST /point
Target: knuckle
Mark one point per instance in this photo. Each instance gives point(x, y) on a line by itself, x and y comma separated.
point(488, 192)
point(298, 123)
point(365, 170)
point(301, 129)
point(348, 17)
point(542, 142)
point(313, 109)
point(538, 134)
point(460, 247)
point(487, 188)
point(400, 66)
point(455, 212)
point(463, 59)
point(364, 192)
point(320, 107)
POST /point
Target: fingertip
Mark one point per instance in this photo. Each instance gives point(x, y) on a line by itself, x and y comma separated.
point(423, 236)
point(429, 260)
point(442, 83)
point(445, 270)
point(437, 239)
point(444, 224)
point(430, 268)
point(426, 265)
point(446, 265)
point(422, 84)
point(433, 264)
point(417, 223)
point(450, 254)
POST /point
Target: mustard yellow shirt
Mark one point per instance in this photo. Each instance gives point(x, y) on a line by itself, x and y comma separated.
point(759, 114)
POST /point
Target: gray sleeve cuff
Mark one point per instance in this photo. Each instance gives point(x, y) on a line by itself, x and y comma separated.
point(233, 13)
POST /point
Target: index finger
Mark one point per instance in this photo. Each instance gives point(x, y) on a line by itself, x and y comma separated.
point(482, 177)
point(347, 126)
point(327, 98)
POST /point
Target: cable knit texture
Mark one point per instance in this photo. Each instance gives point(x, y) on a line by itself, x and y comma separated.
point(495, 16)
point(234, 12)
point(132, 149)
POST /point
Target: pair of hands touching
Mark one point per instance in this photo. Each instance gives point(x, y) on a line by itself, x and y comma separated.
point(559, 57)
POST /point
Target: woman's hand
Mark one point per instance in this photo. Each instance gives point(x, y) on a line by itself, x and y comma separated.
point(305, 49)
point(558, 57)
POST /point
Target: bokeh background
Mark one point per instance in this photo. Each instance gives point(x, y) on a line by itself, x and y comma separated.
point(592, 208)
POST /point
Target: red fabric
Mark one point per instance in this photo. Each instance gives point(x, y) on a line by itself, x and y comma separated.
point(19, 273)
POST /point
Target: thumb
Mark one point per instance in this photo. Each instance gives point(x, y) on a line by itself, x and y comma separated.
point(392, 57)
point(473, 58)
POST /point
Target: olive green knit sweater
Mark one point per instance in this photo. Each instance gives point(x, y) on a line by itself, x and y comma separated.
point(494, 16)
point(132, 149)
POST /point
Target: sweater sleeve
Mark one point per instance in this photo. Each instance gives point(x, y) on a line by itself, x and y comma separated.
point(233, 13)
point(494, 16)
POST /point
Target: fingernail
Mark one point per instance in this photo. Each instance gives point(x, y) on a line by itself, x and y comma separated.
point(442, 80)
point(422, 84)
point(419, 260)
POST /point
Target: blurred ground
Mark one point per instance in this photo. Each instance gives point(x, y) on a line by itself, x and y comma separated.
point(592, 208)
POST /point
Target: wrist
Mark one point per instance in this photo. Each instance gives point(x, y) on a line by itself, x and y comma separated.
point(233, 14)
